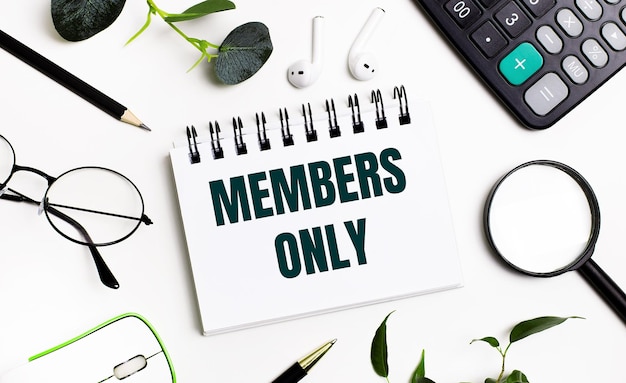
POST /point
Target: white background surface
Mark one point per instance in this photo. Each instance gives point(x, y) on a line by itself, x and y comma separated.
point(49, 291)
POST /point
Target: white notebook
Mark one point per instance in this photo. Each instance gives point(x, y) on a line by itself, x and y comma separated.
point(301, 212)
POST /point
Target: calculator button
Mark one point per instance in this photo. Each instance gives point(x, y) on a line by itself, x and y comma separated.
point(569, 22)
point(521, 63)
point(539, 7)
point(590, 8)
point(464, 12)
point(594, 52)
point(575, 70)
point(489, 40)
point(548, 38)
point(614, 36)
point(512, 19)
point(546, 94)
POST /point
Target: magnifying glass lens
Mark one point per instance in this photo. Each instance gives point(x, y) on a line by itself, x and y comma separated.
point(540, 220)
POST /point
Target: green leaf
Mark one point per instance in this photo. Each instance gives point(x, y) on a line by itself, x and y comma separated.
point(378, 353)
point(243, 52)
point(493, 342)
point(490, 380)
point(516, 377)
point(424, 380)
point(77, 20)
point(420, 371)
point(533, 326)
point(201, 9)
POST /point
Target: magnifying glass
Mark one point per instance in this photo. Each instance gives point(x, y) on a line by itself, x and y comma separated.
point(542, 218)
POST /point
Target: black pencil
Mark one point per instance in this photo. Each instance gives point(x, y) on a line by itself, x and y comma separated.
point(68, 80)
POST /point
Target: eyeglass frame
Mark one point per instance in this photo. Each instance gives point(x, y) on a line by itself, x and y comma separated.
point(105, 274)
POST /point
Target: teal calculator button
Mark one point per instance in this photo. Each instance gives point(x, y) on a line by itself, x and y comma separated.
point(521, 63)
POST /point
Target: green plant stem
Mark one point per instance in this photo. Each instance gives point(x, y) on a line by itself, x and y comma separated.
point(200, 45)
point(503, 362)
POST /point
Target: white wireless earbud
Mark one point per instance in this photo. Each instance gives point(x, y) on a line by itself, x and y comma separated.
point(362, 64)
point(304, 73)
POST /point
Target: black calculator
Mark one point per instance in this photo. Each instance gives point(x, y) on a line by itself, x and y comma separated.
point(541, 57)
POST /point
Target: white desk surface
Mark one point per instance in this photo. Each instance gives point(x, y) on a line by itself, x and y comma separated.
point(48, 288)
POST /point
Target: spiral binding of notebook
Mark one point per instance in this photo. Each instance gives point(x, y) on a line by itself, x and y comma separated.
point(311, 134)
point(295, 216)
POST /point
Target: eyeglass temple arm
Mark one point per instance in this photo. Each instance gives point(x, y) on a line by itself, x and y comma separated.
point(105, 274)
point(12, 197)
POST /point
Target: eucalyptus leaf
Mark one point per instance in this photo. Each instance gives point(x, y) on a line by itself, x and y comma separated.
point(533, 326)
point(378, 353)
point(516, 377)
point(77, 20)
point(243, 52)
point(490, 380)
point(201, 9)
point(493, 342)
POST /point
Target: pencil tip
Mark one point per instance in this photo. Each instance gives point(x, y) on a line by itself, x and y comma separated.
point(130, 118)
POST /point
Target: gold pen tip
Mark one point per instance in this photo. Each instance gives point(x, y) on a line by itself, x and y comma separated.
point(308, 361)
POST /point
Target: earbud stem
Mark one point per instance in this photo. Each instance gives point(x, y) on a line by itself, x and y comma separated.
point(367, 30)
point(318, 39)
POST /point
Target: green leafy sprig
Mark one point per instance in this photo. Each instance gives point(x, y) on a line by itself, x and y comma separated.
point(242, 53)
point(520, 331)
point(196, 11)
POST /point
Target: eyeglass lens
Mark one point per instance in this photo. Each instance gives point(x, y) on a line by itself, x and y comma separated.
point(7, 160)
point(105, 204)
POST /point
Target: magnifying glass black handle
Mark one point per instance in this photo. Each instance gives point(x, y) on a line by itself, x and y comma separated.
point(604, 285)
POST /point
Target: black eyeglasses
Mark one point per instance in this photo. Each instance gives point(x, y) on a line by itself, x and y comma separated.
point(90, 205)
